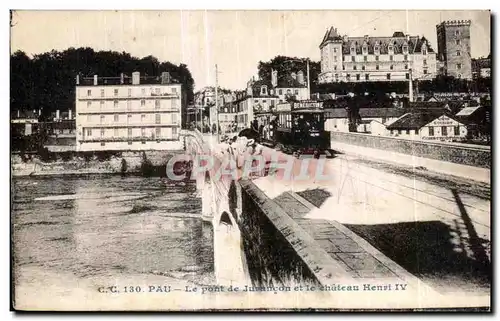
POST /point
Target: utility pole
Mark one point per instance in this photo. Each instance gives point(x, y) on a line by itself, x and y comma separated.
point(410, 87)
point(217, 101)
point(308, 82)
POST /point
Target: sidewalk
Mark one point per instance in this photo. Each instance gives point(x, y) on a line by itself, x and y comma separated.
point(470, 172)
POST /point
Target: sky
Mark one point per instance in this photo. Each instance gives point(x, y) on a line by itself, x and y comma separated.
point(234, 40)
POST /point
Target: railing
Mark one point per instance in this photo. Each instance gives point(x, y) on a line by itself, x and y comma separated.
point(128, 139)
point(131, 125)
point(128, 110)
point(131, 97)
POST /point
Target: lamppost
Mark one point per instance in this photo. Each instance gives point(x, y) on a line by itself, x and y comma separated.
point(308, 74)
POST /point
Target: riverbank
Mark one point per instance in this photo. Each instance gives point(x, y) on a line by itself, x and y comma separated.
point(149, 163)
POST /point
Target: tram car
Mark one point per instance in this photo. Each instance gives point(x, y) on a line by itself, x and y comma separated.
point(296, 128)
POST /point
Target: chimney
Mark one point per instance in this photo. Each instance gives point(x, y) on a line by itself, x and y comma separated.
point(165, 78)
point(70, 114)
point(274, 78)
point(300, 77)
point(346, 38)
point(121, 79)
point(57, 113)
point(95, 80)
point(407, 37)
point(136, 78)
point(77, 79)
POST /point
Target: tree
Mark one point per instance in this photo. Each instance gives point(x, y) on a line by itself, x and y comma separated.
point(47, 81)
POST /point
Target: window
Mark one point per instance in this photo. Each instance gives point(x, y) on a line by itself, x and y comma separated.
point(115, 103)
point(458, 53)
point(425, 71)
point(334, 49)
point(174, 132)
point(101, 104)
point(115, 132)
point(391, 58)
point(296, 91)
point(407, 76)
point(158, 131)
point(425, 62)
point(363, 67)
point(353, 59)
point(431, 131)
point(388, 76)
point(459, 66)
point(129, 132)
point(143, 91)
point(377, 67)
point(354, 67)
point(353, 51)
point(358, 76)
point(391, 49)
point(102, 92)
point(335, 58)
point(348, 77)
point(457, 41)
point(102, 119)
point(406, 66)
point(405, 49)
point(280, 92)
point(130, 92)
point(157, 91)
point(391, 67)
point(336, 76)
point(334, 67)
point(343, 67)
point(407, 132)
point(89, 104)
point(129, 118)
point(457, 130)
point(102, 132)
point(376, 58)
point(365, 58)
point(367, 77)
point(444, 131)
point(157, 104)
point(457, 32)
point(89, 132)
point(143, 103)
point(424, 51)
point(406, 57)
point(116, 118)
point(174, 118)
point(143, 118)
point(365, 50)
point(158, 119)
point(143, 132)
point(89, 92)
point(377, 50)
point(116, 92)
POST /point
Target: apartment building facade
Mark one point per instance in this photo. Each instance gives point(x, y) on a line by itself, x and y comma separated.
point(128, 113)
point(398, 57)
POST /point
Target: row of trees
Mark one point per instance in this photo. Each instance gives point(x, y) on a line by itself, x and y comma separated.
point(47, 81)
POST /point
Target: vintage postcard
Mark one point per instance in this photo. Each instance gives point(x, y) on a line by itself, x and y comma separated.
point(250, 160)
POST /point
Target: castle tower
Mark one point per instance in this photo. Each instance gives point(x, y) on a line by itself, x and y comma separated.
point(453, 39)
point(331, 56)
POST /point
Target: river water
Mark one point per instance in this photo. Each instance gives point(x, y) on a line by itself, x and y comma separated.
point(102, 230)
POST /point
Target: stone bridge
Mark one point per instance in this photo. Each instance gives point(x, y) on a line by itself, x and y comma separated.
point(267, 241)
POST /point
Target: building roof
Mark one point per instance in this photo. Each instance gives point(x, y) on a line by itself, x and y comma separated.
point(398, 40)
point(417, 120)
point(127, 81)
point(467, 111)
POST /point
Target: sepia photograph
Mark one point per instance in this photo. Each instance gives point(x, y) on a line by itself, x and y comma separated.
point(250, 160)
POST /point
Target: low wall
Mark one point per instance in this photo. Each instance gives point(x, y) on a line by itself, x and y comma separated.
point(465, 154)
point(271, 259)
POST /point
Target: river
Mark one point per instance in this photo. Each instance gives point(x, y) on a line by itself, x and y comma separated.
point(74, 233)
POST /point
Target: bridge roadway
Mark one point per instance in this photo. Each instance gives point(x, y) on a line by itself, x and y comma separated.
point(360, 225)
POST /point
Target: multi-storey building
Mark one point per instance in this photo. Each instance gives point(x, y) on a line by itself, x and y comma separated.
point(359, 59)
point(453, 39)
point(128, 113)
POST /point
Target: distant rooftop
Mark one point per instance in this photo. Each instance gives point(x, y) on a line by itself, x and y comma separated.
point(125, 80)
